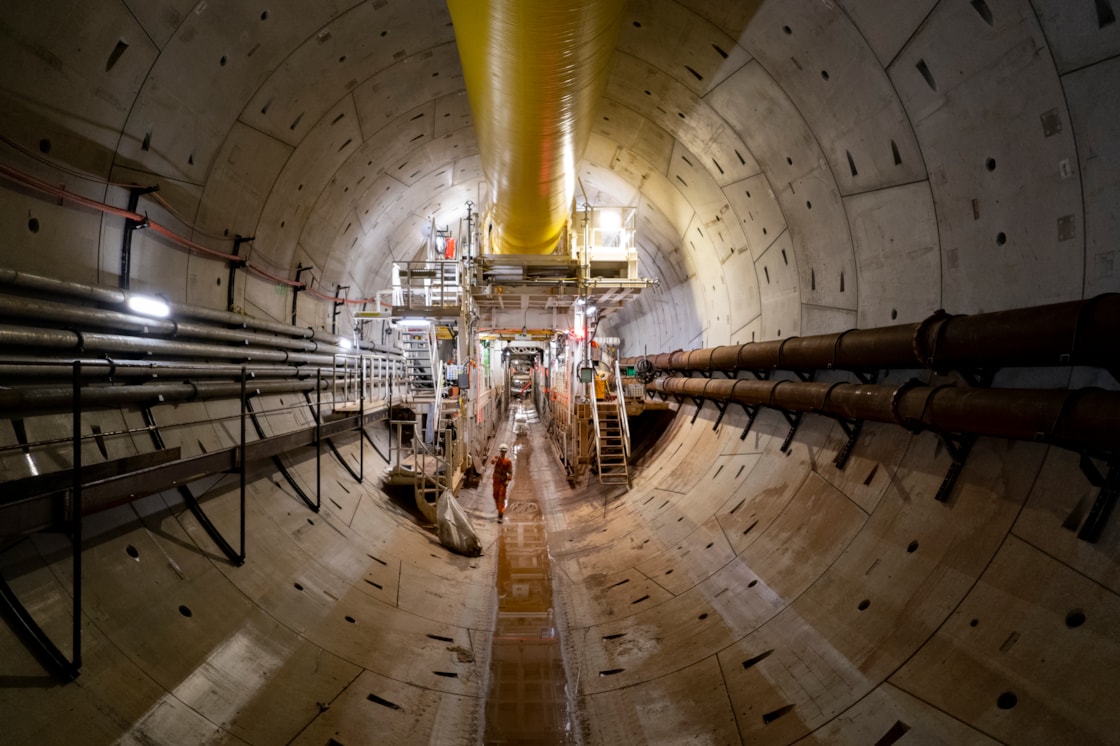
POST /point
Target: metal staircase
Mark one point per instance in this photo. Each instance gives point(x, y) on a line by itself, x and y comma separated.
point(613, 468)
point(423, 440)
point(612, 436)
point(419, 359)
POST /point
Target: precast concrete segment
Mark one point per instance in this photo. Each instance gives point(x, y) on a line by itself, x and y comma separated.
point(302, 642)
point(1072, 333)
point(1083, 419)
point(820, 601)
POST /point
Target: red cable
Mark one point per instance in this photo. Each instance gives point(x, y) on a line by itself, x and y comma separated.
point(43, 186)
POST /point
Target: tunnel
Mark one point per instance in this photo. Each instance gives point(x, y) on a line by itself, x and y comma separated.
point(796, 167)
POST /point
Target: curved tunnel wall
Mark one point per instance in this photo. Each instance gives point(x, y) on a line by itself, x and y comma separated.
point(799, 167)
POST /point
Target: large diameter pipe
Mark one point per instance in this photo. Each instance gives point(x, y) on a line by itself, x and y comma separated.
point(42, 310)
point(59, 398)
point(534, 71)
point(63, 339)
point(113, 296)
point(1073, 333)
point(94, 369)
point(1083, 419)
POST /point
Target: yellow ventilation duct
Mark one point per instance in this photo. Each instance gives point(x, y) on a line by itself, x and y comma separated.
point(535, 70)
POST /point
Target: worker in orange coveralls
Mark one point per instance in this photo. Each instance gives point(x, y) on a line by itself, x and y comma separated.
point(503, 472)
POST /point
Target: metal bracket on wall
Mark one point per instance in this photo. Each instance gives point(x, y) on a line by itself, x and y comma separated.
point(130, 225)
point(958, 446)
point(866, 376)
point(699, 405)
point(980, 378)
point(1106, 500)
point(794, 420)
point(722, 407)
point(66, 669)
point(752, 412)
point(852, 429)
point(296, 289)
point(279, 463)
point(330, 443)
point(339, 302)
point(234, 265)
point(235, 557)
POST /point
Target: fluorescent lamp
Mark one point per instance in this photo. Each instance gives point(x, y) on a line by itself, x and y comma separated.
point(145, 305)
point(345, 343)
point(414, 322)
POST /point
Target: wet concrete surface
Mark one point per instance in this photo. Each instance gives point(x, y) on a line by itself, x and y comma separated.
point(527, 701)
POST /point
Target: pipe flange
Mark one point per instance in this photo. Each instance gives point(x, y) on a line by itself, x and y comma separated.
point(836, 347)
point(822, 409)
point(781, 347)
point(926, 357)
point(896, 399)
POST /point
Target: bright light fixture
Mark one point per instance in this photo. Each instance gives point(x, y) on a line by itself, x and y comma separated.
point(145, 305)
point(345, 343)
point(415, 322)
point(610, 220)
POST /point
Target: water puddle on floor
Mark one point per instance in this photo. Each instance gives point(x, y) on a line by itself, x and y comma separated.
point(527, 702)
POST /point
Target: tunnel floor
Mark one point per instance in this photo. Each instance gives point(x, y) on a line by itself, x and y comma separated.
point(527, 701)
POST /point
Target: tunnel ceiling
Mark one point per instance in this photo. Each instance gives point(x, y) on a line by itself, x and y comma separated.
point(762, 141)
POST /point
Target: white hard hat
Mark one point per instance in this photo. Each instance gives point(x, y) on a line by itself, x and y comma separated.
point(503, 447)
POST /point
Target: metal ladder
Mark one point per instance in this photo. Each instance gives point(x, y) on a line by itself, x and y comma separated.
point(416, 343)
point(611, 447)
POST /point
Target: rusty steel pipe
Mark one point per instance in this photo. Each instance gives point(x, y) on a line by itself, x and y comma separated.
point(1082, 419)
point(53, 399)
point(1074, 333)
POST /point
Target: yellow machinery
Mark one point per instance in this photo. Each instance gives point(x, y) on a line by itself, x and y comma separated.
point(534, 70)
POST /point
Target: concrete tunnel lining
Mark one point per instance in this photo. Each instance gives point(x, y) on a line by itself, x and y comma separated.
point(799, 168)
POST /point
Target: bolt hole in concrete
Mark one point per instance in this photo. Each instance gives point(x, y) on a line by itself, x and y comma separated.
point(991, 164)
point(132, 552)
point(185, 610)
point(974, 622)
point(1007, 700)
point(1001, 238)
point(350, 619)
point(1075, 618)
point(913, 547)
point(863, 605)
point(33, 225)
point(297, 586)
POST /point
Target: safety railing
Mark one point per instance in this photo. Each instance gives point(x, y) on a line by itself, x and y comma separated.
point(365, 376)
point(593, 404)
point(59, 499)
point(427, 288)
point(620, 402)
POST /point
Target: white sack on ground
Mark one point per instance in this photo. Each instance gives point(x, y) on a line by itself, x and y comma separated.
point(455, 529)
